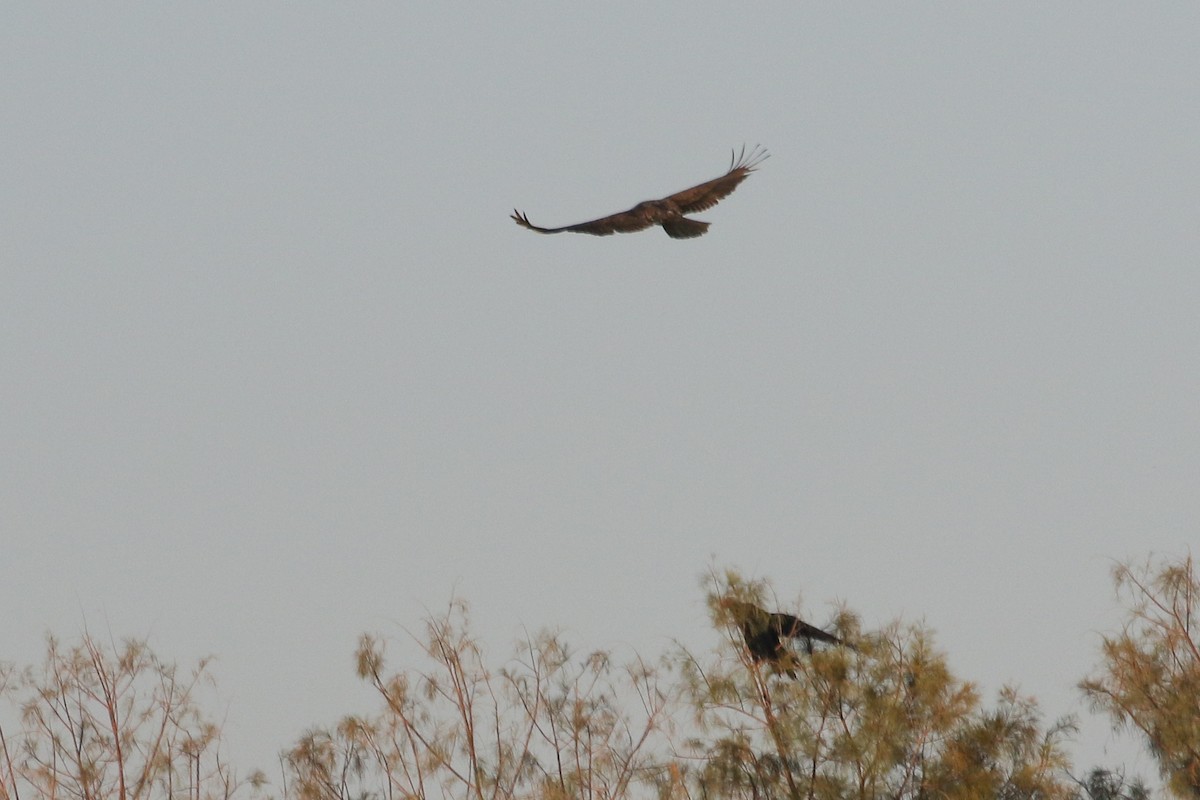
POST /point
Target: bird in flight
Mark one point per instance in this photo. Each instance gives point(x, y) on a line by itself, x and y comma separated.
point(669, 211)
point(765, 631)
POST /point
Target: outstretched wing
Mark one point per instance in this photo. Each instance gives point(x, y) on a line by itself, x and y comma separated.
point(796, 628)
point(666, 212)
point(625, 222)
point(708, 194)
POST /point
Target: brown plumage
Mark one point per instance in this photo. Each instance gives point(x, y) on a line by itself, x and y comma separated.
point(765, 631)
point(669, 211)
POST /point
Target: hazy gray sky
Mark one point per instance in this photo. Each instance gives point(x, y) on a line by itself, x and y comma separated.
point(279, 369)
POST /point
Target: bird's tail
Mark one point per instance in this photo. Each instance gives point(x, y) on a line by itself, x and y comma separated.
point(684, 228)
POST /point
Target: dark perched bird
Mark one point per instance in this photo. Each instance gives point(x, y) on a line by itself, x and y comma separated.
point(669, 211)
point(765, 632)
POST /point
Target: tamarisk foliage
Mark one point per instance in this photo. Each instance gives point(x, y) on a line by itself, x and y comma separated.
point(1149, 676)
point(112, 723)
point(888, 720)
point(544, 725)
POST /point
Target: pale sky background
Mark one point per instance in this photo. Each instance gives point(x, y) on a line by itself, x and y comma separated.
point(279, 369)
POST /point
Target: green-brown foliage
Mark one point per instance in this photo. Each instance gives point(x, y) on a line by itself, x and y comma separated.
point(1149, 676)
point(102, 722)
point(887, 720)
point(881, 717)
point(544, 725)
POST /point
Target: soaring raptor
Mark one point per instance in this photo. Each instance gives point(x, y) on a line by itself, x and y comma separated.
point(669, 211)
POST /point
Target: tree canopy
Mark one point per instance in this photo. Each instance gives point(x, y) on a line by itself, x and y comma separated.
point(1149, 676)
point(875, 713)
